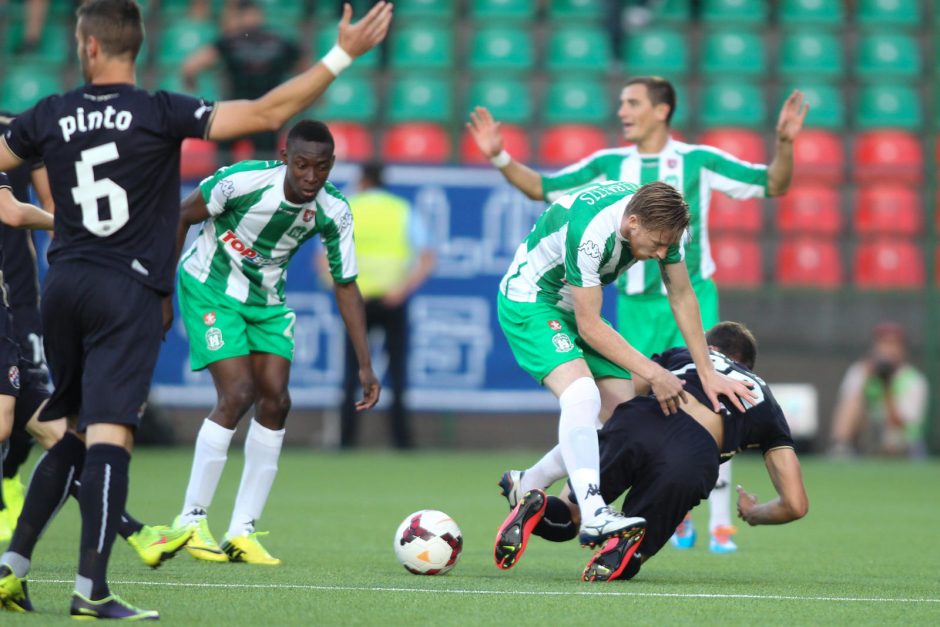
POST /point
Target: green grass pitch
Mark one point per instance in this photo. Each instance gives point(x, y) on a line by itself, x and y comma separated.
point(867, 553)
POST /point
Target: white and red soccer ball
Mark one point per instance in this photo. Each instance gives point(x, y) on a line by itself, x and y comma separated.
point(428, 542)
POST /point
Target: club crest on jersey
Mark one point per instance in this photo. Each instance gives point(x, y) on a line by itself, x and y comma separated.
point(554, 325)
point(209, 318)
point(214, 339)
point(562, 342)
point(671, 163)
point(14, 375)
point(309, 214)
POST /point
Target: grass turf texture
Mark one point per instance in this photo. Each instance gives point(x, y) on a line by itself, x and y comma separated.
point(866, 553)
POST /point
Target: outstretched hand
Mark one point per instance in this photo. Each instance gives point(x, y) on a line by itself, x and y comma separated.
point(357, 39)
point(792, 114)
point(485, 132)
point(716, 384)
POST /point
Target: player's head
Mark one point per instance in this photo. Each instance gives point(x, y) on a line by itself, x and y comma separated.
point(656, 219)
point(734, 340)
point(309, 158)
point(889, 344)
point(372, 175)
point(247, 15)
point(107, 30)
point(646, 106)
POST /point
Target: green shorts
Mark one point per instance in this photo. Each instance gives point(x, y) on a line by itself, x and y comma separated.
point(542, 337)
point(220, 327)
point(646, 320)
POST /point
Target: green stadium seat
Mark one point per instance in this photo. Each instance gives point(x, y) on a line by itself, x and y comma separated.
point(56, 44)
point(826, 102)
point(674, 12)
point(350, 98)
point(424, 98)
point(811, 52)
point(887, 105)
point(208, 84)
point(23, 85)
point(882, 13)
point(283, 9)
point(811, 13)
point(579, 101)
point(579, 48)
point(731, 103)
point(438, 9)
point(325, 39)
point(734, 52)
point(567, 10)
point(502, 48)
point(503, 9)
point(422, 46)
point(508, 99)
point(180, 39)
point(726, 12)
point(657, 51)
point(173, 10)
point(888, 55)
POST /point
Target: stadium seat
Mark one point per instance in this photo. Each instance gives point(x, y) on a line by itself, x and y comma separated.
point(419, 97)
point(811, 13)
point(738, 261)
point(728, 214)
point(727, 12)
point(502, 48)
point(568, 10)
point(882, 13)
point(805, 261)
point(891, 156)
point(416, 143)
point(577, 101)
point(286, 8)
point(811, 53)
point(353, 141)
point(563, 145)
point(826, 102)
point(889, 263)
point(325, 38)
point(23, 85)
point(440, 9)
point(818, 157)
point(733, 52)
point(508, 99)
point(674, 12)
point(503, 9)
point(56, 43)
point(198, 159)
point(579, 49)
point(515, 141)
point(178, 40)
point(656, 51)
point(424, 46)
point(351, 97)
point(208, 84)
point(742, 143)
point(810, 209)
point(733, 103)
point(888, 208)
point(888, 55)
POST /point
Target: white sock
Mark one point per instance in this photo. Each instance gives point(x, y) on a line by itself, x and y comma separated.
point(262, 450)
point(208, 462)
point(719, 501)
point(577, 438)
point(545, 472)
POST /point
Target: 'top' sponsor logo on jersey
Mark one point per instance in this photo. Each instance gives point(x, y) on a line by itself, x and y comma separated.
point(109, 118)
point(250, 254)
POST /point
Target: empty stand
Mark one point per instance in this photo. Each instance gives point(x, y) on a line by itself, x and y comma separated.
point(422, 46)
point(565, 144)
point(198, 158)
point(351, 97)
point(818, 157)
point(826, 102)
point(353, 141)
point(888, 155)
point(805, 261)
point(656, 51)
point(741, 143)
point(729, 214)
point(888, 208)
point(733, 103)
point(889, 105)
point(882, 13)
point(420, 97)
point(515, 141)
point(738, 260)
point(811, 52)
point(889, 263)
point(416, 142)
point(502, 48)
point(810, 209)
point(577, 100)
point(738, 12)
point(578, 48)
point(733, 52)
point(509, 99)
point(888, 55)
point(503, 9)
point(811, 13)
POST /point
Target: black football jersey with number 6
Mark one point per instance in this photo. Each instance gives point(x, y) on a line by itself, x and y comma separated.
point(113, 157)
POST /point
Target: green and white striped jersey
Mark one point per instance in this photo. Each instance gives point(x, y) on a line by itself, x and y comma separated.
point(244, 247)
point(694, 169)
point(576, 241)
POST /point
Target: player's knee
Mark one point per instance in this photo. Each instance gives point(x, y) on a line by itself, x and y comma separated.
point(236, 397)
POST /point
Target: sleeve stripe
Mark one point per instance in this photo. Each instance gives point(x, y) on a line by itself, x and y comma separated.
point(777, 448)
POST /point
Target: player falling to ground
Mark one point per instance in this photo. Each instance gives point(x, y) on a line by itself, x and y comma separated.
point(257, 214)
point(646, 108)
point(549, 308)
point(669, 463)
point(115, 182)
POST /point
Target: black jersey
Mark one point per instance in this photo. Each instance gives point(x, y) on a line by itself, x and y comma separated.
point(762, 425)
point(4, 298)
point(112, 153)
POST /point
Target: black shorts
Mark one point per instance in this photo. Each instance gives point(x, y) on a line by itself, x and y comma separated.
point(669, 464)
point(102, 331)
point(10, 377)
point(34, 389)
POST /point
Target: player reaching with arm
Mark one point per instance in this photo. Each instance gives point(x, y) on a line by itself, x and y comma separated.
point(115, 183)
point(255, 216)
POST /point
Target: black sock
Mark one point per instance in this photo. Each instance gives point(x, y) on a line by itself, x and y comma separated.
point(128, 525)
point(102, 497)
point(556, 525)
point(48, 489)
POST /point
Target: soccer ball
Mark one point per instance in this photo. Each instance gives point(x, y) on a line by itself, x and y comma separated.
point(428, 542)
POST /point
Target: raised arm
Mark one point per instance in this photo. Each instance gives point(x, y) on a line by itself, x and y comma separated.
point(789, 124)
point(485, 132)
point(22, 215)
point(235, 118)
point(353, 311)
point(791, 502)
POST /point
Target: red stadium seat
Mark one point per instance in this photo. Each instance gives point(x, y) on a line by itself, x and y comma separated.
point(728, 214)
point(894, 156)
point(810, 209)
point(889, 263)
point(888, 208)
point(416, 142)
point(804, 261)
point(353, 141)
point(818, 157)
point(515, 140)
point(198, 158)
point(738, 259)
point(739, 142)
point(242, 150)
point(564, 144)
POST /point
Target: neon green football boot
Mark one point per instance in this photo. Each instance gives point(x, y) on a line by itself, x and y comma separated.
point(156, 544)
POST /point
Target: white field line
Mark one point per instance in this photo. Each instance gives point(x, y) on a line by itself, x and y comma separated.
point(532, 593)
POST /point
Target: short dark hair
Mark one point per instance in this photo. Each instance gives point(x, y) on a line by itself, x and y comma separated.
point(659, 90)
point(660, 207)
point(372, 173)
point(734, 340)
point(311, 131)
point(116, 24)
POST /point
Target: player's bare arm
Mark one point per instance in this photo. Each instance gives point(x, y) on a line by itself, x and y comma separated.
point(40, 180)
point(353, 310)
point(791, 502)
point(789, 124)
point(606, 341)
point(485, 132)
point(235, 118)
point(21, 215)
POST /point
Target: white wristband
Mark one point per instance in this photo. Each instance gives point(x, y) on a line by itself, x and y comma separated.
point(502, 159)
point(336, 60)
